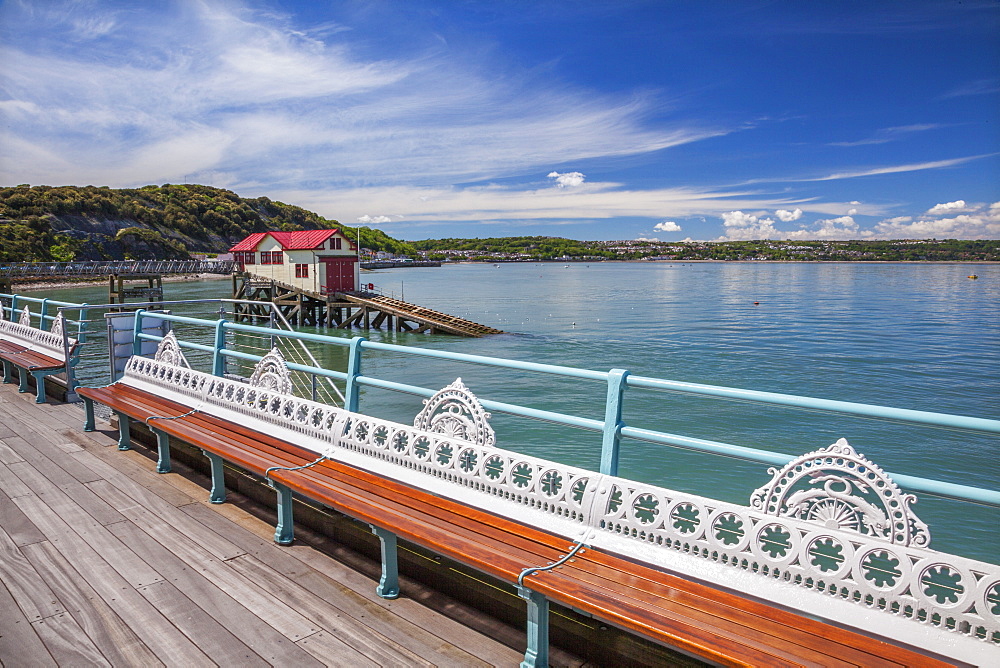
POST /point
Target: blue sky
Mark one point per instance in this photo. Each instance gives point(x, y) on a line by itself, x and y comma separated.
point(592, 120)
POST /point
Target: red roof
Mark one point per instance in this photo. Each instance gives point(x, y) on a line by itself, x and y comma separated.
point(302, 240)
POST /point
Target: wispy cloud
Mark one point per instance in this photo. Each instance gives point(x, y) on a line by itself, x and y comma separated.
point(897, 169)
point(203, 88)
point(886, 135)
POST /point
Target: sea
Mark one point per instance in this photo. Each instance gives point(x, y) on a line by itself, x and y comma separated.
point(908, 335)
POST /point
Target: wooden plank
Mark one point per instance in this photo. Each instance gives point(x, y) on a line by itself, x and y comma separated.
point(19, 643)
point(27, 587)
point(150, 511)
point(208, 633)
point(17, 525)
point(283, 618)
point(436, 638)
point(7, 454)
point(250, 629)
point(121, 558)
point(331, 651)
point(67, 642)
point(115, 639)
point(10, 484)
point(351, 631)
point(157, 632)
point(123, 471)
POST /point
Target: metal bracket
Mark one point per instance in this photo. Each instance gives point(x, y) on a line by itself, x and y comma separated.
point(284, 532)
point(537, 653)
point(163, 450)
point(124, 435)
point(218, 494)
point(388, 586)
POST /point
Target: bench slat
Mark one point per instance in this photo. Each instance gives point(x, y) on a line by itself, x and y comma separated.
point(706, 621)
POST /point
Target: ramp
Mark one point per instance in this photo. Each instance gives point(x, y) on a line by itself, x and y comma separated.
point(425, 319)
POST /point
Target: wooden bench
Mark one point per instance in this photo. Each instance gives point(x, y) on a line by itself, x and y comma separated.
point(33, 351)
point(262, 429)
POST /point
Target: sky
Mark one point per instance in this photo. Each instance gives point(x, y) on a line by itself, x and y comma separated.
point(614, 119)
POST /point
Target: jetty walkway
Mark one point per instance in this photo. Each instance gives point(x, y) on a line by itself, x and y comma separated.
point(104, 562)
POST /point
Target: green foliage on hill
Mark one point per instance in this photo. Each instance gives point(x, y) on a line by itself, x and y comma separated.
point(46, 223)
point(377, 240)
point(542, 248)
point(551, 248)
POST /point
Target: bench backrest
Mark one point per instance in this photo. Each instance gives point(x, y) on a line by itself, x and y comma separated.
point(47, 342)
point(830, 534)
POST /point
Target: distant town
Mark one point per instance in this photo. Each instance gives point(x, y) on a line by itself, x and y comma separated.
point(540, 249)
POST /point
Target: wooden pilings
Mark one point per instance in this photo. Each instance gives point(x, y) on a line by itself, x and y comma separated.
point(345, 310)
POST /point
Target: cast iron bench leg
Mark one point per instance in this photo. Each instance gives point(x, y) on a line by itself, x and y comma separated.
point(8, 372)
point(88, 409)
point(284, 532)
point(218, 494)
point(163, 450)
point(537, 654)
point(388, 586)
point(23, 377)
point(124, 437)
point(39, 386)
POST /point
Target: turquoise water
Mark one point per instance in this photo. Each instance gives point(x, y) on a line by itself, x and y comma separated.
point(913, 336)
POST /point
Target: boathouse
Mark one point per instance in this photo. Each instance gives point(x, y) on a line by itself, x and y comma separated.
point(320, 261)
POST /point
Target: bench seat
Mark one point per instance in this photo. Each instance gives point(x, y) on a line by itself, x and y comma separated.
point(699, 619)
point(33, 351)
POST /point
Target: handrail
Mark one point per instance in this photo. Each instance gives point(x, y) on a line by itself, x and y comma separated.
point(613, 427)
point(913, 483)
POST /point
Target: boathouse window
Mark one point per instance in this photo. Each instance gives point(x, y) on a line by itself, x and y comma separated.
point(271, 257)
point(301, 271)
point(335, 244)
point(249, 257)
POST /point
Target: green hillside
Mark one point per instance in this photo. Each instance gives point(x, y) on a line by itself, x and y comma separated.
point(61, 223)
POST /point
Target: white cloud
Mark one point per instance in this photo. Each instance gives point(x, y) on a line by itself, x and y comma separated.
point(746, 227)
point(646, 239)
point(567, 180)
point(667, 226)
point(978, 221)
point(831, 229)
point(285, 106)
point(886, 135)
point(948, 207)
point(373, 220)
point(786, 216)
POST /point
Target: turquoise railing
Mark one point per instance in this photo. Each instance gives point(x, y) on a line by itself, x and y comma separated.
point(612, 427)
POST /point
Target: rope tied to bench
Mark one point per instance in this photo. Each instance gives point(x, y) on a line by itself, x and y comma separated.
point(267, 473)
point(175, 417)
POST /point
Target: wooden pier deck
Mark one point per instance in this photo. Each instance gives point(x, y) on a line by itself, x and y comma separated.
point(104, 562)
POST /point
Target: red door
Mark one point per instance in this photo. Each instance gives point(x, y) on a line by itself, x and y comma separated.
point(339, 274)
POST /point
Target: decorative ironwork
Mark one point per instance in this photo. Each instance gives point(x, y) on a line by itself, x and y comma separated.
point(839, 488)
point(169, 352)
point(456, 412)
point(271, 373)
point(822, 554)
point(25, 318)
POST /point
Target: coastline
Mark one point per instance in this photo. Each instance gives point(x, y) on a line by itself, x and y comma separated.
point(35, 286)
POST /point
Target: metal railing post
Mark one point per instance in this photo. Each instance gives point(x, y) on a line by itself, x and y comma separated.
point(136, 331)
point(351, 395)
point(611, 440)
point(218, 359)
point(43, 310)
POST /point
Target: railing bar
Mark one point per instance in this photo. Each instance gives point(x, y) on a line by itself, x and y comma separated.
point(825, 405)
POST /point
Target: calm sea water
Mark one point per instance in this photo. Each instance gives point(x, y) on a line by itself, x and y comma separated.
point(913, 336)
